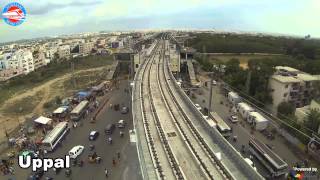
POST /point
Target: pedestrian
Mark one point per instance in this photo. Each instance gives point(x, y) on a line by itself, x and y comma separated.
point(106, 172)
point(11, 170)
point(114, 162)
point(118, 154)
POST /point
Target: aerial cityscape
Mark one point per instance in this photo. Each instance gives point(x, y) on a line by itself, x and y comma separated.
point(159, 90)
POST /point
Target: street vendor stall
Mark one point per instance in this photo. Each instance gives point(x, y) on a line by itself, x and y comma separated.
point(43, 122)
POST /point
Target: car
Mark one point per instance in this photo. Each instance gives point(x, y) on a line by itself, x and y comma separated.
point(198, 107)
point(121, 124)
point(76, 151)
point(109, 129)
point(93, 135)
point(233, 118)
point(124, 110)
point(214, 82)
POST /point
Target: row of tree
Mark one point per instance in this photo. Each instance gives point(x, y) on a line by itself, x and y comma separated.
point(233, 43)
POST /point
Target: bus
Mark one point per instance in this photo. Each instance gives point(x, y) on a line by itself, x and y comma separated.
point(275, 165)
point(78, 112)
point(55, 136)
point(222, 126)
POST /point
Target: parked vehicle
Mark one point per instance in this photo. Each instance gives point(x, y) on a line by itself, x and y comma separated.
point(214, 82)
point(244, 109)
point(76, 151)
point(121, 124)
point(257, 120)
point(234, 98)
point(233, 118)
point(124, 110)
point(93, 135)
point(109, 129)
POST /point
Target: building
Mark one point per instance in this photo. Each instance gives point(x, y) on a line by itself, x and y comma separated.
point(10, 73)
point(50, 53)
point(291, 85)
point(64, 51)
point(85, 48)
point(302, 112)
point(23, 59)
point(40, 59)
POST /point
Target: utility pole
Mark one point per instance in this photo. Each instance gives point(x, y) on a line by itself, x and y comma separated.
point(210, 94)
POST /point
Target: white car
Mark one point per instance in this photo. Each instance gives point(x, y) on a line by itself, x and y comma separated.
point(198, 107)
point(233, 118)
point(76, 151)
point(214, 82)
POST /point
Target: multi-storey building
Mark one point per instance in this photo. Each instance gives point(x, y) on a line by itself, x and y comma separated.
point(64, 51)
point(291, 85)
point(21, 59)
point(85, 48)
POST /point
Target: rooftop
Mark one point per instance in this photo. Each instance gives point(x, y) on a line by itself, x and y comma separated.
point(285, 79)
point(286, 68)
point(306, 77)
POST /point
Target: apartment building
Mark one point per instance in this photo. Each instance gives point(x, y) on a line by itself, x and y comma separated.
point(291, 85)
point(21, 59)
point(85, 48)
point(40, 59)
point(64, 51)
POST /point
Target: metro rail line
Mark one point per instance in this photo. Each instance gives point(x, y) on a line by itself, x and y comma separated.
point(174, 144)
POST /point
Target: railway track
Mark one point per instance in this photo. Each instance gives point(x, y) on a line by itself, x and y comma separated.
point(198, 147)
point(163, 159)
point(177, 145)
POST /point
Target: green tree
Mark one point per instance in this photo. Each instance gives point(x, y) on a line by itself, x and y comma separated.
point(312, 120)
point(285, 109)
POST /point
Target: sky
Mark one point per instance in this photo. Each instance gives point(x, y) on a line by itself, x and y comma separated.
point(56, 17)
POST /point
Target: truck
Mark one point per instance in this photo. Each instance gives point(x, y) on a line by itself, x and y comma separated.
point(257, 120)
point(234, 98)
point(244, 109)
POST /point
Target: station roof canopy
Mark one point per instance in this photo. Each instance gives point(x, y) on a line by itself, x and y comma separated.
point(43, 120)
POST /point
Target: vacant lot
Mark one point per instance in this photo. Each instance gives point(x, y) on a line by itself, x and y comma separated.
point(30, 95)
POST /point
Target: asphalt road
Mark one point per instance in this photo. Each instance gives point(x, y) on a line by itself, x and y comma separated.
point(128, 165)
point(243, 132)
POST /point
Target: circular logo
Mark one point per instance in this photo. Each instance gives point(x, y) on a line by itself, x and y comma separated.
point(14, 14)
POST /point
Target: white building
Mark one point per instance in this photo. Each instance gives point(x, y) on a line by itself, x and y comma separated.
point(291, 85)
point(64, 51)
point(85, 48)
point(22, 59)
point(49, 53)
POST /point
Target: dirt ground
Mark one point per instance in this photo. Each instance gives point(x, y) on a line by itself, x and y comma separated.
point(40, 95)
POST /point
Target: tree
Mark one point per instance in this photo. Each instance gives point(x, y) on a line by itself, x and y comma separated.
point(312, 120)
point(285, 109)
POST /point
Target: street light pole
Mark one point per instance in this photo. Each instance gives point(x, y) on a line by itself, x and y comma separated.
point(210, 93)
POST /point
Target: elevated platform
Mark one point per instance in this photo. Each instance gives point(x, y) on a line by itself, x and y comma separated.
point(192, 75)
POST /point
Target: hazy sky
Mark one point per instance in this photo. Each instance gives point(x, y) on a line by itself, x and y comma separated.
point(54, 17)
